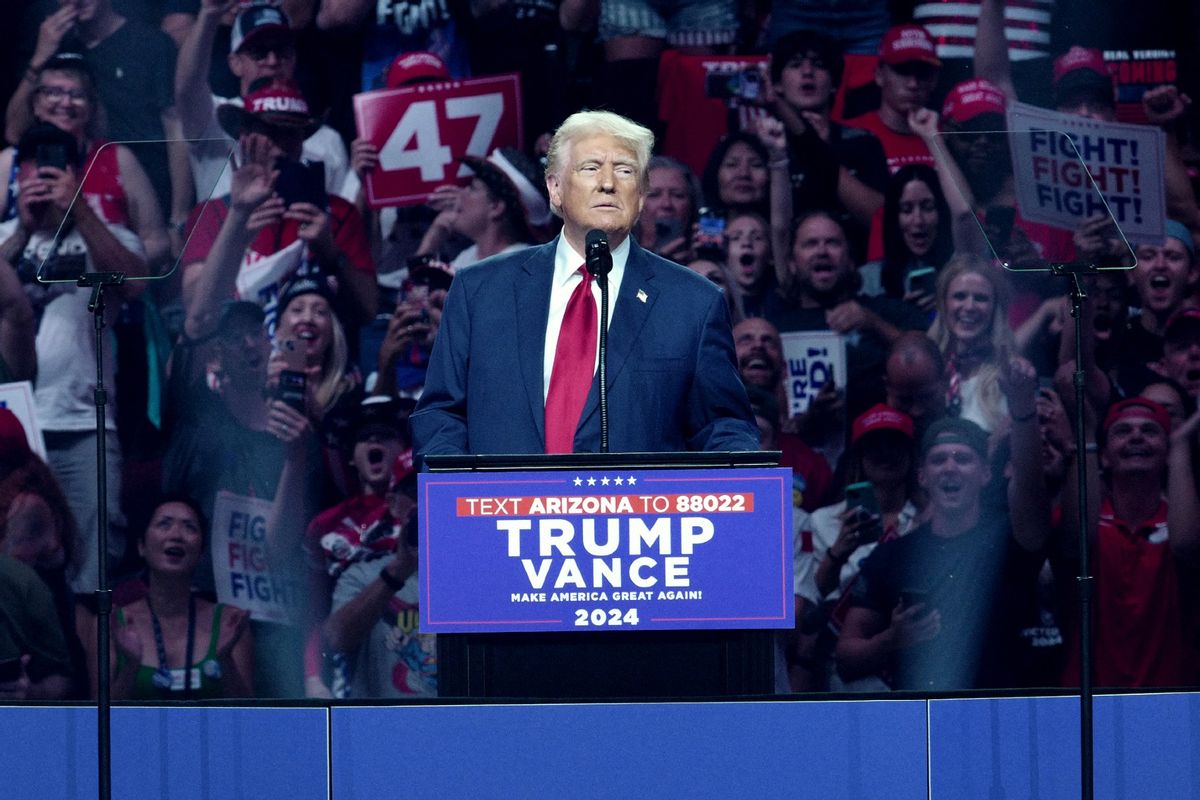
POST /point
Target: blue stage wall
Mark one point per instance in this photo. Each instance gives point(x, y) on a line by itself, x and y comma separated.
point(1147, 748)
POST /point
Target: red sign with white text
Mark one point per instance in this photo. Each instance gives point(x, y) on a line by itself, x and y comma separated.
point(421, 131)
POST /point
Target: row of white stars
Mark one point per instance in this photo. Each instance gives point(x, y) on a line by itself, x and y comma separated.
point(619, 481)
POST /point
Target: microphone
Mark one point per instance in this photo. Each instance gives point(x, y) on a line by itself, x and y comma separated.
point(595, 253)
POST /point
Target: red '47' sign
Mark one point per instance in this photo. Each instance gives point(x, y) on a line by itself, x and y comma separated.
point(422, 130)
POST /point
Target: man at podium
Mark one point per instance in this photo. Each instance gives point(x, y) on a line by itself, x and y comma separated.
point(513, 370)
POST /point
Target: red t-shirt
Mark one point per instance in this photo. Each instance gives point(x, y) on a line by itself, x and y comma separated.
point(900, 149)
point(274, 244)
point(812, 476)
point(1145, 632)
point(694, 121)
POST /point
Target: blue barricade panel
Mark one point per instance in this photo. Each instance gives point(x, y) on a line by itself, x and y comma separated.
point(696, 750)
point(1009, 748)
point(1147, 746)
point(203, 753)
point(48, 752)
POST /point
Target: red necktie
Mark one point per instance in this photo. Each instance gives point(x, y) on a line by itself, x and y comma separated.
point(574, 363)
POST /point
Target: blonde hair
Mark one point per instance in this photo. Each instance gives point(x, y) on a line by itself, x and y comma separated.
point(1000, 341)
point(637, 138)
point(334, 380)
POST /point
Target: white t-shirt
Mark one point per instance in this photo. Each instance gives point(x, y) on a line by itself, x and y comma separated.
point(824, 524)
point(209, 157)
point(65, 344)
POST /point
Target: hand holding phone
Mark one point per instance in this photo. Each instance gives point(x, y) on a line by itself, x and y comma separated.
point(293, 381)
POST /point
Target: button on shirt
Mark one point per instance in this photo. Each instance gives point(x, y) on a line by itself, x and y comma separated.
point(566, 278)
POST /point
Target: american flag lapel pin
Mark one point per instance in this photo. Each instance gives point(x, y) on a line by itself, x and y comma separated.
point(641, 295)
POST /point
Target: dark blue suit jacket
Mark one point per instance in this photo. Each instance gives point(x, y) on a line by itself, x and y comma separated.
point(672, 378)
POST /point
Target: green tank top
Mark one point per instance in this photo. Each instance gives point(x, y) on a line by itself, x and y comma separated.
point(210, 687)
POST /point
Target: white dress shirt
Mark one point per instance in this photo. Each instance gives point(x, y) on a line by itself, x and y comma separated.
point(566, 277)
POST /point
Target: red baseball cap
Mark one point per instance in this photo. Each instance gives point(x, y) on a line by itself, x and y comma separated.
point(905, 43)
point(880, 417)
point(279, 102)
point(409, 68)
point(1185, 319)
point(1138, 407)
point(1081, 68)
point(973, 98)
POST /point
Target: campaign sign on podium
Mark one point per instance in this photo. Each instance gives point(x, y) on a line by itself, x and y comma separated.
point(606, 549)
point(421, 132)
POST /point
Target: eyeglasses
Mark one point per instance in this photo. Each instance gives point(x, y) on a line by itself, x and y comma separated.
point(259, 52)
point(58, 94)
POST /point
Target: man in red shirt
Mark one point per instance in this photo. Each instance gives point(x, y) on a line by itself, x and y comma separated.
point(1147, 549)
point(276, 222)
point(906, 75)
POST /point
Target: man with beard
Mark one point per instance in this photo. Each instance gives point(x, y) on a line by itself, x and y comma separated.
point(822, 282)
point(759, 353)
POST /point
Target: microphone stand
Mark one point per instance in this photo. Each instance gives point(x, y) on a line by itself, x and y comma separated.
point(97, 282)
point(599, 264)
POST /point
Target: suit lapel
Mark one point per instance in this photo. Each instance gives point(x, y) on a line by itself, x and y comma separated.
point(532, 294)
point(629, 315)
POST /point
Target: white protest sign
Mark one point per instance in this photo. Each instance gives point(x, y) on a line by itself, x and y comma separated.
point(1125, 161)
point(811, 359)
point(17, 397)
point(241, 567)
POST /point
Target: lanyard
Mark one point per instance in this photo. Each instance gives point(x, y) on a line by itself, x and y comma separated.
point(162, 676)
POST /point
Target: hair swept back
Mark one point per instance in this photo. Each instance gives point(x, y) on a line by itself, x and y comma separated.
point(637, 138)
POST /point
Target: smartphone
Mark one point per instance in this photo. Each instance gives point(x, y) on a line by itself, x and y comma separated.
point(298, 182)
point(922, 280)
point(10, 670)
point(51, 155)
point(292, 388)
point(710, 231)
point(861, 496)
point(667, 231)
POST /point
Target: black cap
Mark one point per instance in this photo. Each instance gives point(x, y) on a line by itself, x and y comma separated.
point(240, 312)
point(313, 282)
point(379, 415)
point(41, 134)
point(955, 430)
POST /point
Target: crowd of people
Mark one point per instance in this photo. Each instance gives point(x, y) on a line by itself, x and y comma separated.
point(832, 171)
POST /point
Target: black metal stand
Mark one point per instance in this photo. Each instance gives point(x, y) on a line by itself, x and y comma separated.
point(1077, 294)
point(97, 282)
point(599, 264)
point(602, 370)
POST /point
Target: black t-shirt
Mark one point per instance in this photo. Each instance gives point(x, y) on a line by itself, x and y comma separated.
point(135, 79)
point(814, 167)
point(980, 583)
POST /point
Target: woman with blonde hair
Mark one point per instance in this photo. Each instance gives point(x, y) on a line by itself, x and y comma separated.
point(971, 329)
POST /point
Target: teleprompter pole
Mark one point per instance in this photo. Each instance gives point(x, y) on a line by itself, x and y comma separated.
point(98, 282)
